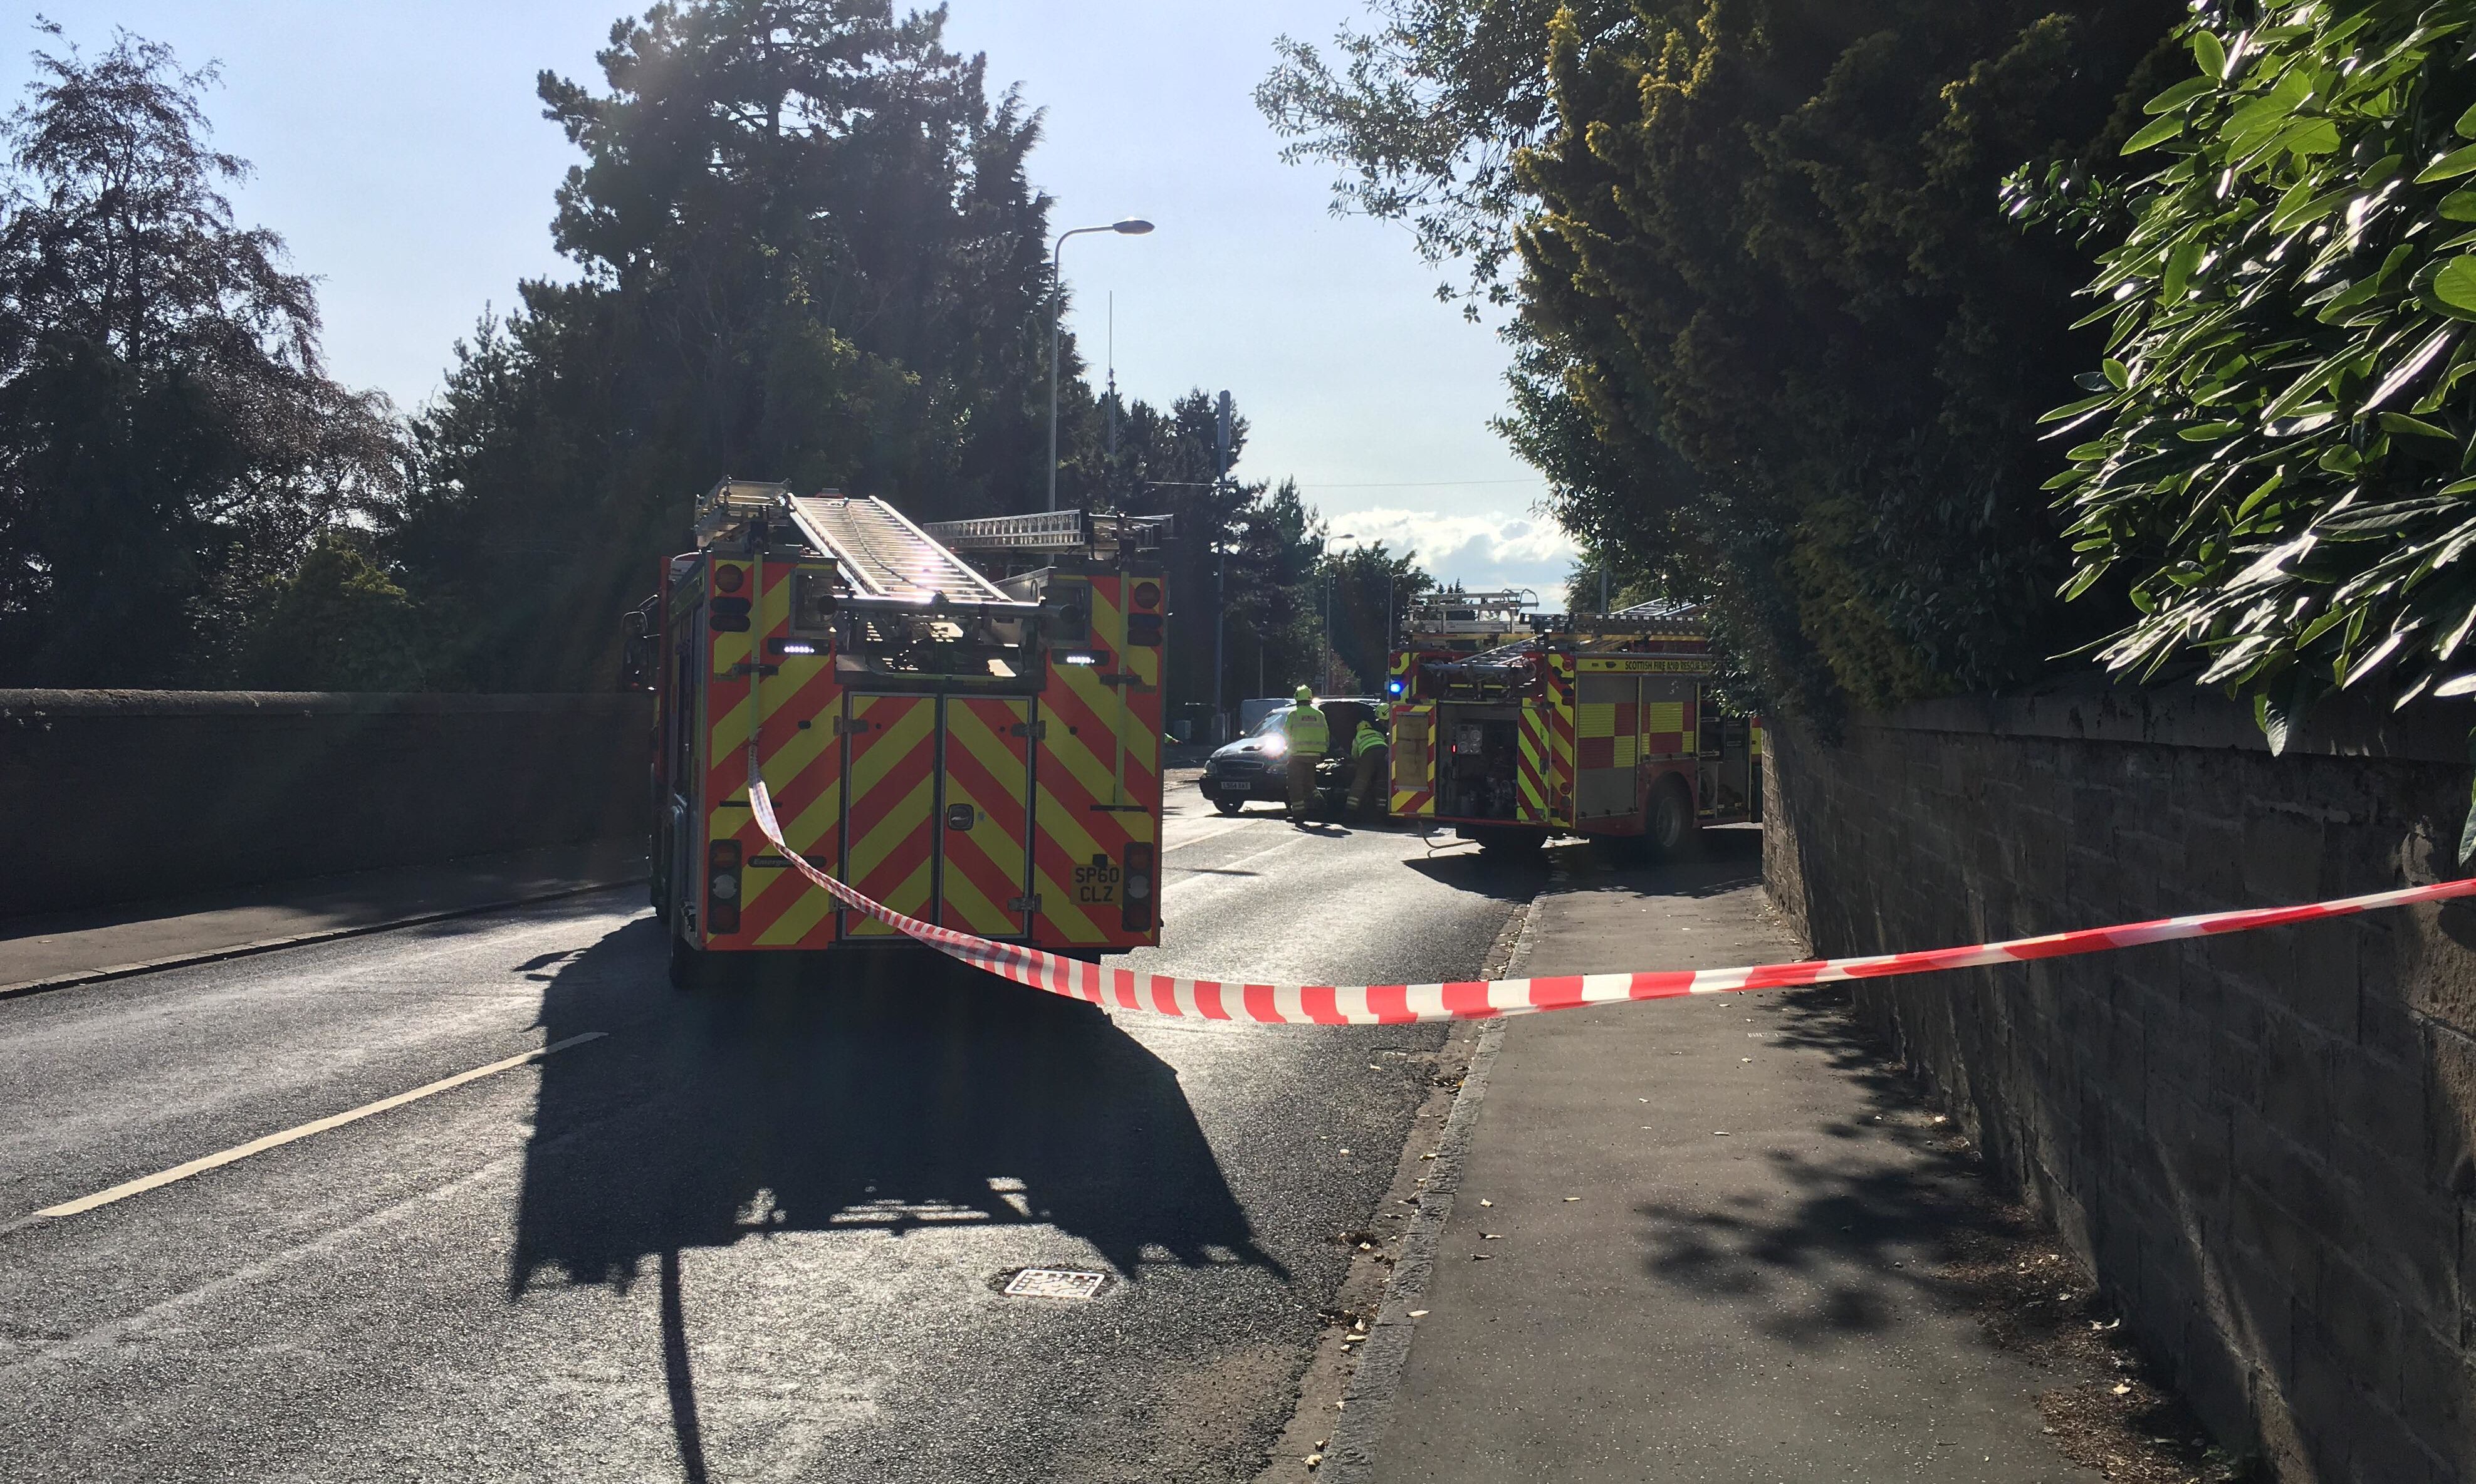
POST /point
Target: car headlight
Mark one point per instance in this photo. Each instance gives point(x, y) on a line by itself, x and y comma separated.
point(1275, 746)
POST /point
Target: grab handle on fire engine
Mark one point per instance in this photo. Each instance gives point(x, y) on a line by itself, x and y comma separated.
point(756, 642)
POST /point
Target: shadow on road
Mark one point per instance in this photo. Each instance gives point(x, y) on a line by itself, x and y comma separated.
point(893, 1093)
point(888, 1095)
point(1514, 878)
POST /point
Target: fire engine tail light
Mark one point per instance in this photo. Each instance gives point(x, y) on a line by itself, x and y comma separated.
point(722, 888)
point(1137, 894)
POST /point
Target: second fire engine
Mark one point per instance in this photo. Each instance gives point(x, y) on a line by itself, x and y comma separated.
point(1515, 728)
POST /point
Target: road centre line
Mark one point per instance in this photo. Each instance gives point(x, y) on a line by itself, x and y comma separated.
point(1199, 839)
point(241, 1152)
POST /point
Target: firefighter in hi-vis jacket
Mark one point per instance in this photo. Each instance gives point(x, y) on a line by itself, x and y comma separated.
point(1366, 779)
point(1308, 738)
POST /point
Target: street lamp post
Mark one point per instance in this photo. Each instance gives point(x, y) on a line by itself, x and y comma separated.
point(1133, 227)
point(1223, 409)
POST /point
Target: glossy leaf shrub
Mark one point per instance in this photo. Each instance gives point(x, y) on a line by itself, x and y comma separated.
point(2279, 447)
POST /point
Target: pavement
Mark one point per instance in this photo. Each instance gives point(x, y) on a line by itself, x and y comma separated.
point(484, 1198)
point(50, 951)
point(1688, 1239)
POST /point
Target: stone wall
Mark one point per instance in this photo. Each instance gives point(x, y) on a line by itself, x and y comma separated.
point(114, 796)
point(2265, 1144)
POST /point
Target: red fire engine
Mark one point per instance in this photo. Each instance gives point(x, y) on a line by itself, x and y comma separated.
point(982, 753)
point(1597, 725)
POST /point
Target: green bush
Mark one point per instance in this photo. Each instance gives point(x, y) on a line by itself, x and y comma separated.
point(336, 622)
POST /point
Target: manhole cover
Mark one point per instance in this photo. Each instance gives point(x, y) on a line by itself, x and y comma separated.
point(1054, 1283)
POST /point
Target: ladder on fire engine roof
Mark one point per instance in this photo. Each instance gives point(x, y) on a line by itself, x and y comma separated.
point(1097, 531)
point(882, 554)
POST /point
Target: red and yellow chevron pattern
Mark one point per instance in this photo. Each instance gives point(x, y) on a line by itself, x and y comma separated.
point(985, 816)
point(1096, 772)
point(1414, 758)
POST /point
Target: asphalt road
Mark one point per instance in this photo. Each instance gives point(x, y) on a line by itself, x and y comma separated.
point(755, 1233)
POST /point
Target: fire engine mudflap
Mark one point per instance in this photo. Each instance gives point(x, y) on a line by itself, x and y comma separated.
point(977, 749)
point(1597, 725)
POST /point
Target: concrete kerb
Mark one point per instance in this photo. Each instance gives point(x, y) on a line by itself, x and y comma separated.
point(1359, 1430)
point(302, 939)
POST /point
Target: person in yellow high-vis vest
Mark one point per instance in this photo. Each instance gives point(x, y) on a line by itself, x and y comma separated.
point(1367, 783)
point(1303, 729)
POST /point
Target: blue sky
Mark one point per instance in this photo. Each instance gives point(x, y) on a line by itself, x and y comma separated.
point(401, 153)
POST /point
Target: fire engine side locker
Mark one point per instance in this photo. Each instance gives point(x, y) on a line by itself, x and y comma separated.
point(1095, 774)
point(1607, 727)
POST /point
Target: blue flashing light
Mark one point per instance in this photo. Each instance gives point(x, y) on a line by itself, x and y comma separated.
point(1395, 687)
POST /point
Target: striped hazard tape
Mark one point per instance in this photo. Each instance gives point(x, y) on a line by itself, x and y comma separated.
point(1396, 1004)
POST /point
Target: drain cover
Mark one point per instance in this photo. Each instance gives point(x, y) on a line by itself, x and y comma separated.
point(1054, 1283)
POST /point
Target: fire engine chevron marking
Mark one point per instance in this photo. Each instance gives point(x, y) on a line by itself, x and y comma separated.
point(1389, 1004)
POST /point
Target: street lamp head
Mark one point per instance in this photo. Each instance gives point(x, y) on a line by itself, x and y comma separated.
point(1133, 226)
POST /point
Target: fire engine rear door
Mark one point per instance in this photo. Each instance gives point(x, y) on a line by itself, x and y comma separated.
point(1413, 760)
point(985, 816)
point(889, 846)
point(1537, 779)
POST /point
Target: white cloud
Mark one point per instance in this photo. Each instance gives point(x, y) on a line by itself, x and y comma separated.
point(1482, 551)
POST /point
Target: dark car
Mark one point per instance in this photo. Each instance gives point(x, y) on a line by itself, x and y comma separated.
point(1256, 766)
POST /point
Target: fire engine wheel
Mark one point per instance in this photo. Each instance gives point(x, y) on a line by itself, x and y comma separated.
point(692, 968)
point(1667, 825)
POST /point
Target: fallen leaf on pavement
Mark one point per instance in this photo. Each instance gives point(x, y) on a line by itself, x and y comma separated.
point(1418, 1314)
point(1491, 1236)
point(1487, 1202)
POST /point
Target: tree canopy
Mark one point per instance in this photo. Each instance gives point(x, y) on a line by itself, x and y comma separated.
point(169, 441)
point(809, 252)
point(1776, 344)
point(807, 248)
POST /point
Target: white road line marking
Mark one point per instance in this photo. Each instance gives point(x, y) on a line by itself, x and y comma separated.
point(241, 1152)
point(1199, 838)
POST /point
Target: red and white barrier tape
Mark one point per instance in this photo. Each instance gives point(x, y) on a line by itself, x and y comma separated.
point(1396, 1004)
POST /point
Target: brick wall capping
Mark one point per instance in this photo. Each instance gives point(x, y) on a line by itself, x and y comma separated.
point(2093, 709)
point(27, 705)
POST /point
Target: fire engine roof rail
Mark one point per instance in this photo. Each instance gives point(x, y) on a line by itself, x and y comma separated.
point(884, 555)
point(1660, 618)
point(1052, 530)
